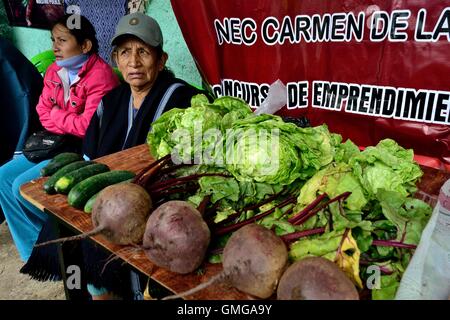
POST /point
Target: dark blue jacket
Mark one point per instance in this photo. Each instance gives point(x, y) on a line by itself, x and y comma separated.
point(20, 87)
point(109, 137)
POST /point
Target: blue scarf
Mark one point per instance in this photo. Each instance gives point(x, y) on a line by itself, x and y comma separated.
point(73, 65)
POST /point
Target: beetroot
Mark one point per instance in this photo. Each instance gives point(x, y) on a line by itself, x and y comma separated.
point(254, 259)
point(122, 210)
point(315, 278)
point(176, 237)
point(119, 214)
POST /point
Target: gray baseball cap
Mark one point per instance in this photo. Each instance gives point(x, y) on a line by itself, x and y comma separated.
point(139, 25)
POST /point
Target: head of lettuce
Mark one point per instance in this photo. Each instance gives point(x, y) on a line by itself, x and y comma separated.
point(254, 148)
point(266, 149)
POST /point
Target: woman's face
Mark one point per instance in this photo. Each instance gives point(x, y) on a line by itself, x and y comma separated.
point(139, 63)
point(65, 45)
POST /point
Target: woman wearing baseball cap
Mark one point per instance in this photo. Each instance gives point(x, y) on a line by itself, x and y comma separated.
point(123, 120)
point(149, 89)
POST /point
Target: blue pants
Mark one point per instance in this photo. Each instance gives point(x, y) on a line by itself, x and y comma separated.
point(24, 220)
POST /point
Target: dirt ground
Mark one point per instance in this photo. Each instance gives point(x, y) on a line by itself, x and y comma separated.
point(17, 286)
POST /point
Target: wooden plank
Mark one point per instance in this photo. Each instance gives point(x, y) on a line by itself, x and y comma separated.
point(137, 158)
point(133, 159)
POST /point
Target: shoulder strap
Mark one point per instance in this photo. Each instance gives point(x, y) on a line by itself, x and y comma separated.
point(165, 99)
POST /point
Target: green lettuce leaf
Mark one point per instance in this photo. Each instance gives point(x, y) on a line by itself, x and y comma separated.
point(334, 180)
point(386, 166)
point(388, 288)
point(345, 151)
point(265, 149)
point(409, 215)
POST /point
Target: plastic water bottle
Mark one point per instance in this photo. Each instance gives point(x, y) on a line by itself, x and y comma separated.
point(428, 274)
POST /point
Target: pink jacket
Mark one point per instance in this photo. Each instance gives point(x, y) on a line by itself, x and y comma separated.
point(72, 114)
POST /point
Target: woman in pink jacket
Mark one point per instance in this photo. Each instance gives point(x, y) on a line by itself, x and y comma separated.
point(73, 87)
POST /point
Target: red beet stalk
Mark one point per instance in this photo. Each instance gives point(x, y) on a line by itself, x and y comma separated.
point(393, 244)
point(168, 192)
point(291, 237)
point(233, 227)
point(383, 269)
point(250, 207)
point(146, 179)
point(311, 213)
point(308, 208)
point(202, 206)
point(159, 187)
point(139, 177)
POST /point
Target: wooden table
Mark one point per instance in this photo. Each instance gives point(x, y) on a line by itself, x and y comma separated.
point(134, 159)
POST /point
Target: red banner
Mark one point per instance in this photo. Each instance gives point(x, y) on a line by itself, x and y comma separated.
point(368, 69)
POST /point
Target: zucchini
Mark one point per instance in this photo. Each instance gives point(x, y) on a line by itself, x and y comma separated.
point(68, 181)
point(85, 189)
point(49, 185)
point(90, 203)
point(60, 161)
